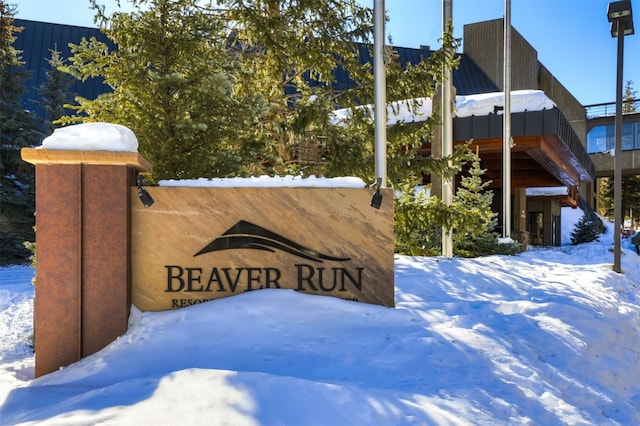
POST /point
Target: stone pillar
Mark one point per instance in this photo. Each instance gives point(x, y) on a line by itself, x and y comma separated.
point(83, 232)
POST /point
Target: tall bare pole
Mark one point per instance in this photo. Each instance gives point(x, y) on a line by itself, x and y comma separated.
point(617, 159)
point(506, 133)
point(380, 92)
point(447, 132)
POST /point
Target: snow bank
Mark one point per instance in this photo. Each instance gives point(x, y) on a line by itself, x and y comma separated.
point(92, 137)
point(546, 337)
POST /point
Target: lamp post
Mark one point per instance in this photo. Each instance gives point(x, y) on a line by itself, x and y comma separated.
point(380, 94)
point(621, 18)
point(506, 126)
point(447, 132)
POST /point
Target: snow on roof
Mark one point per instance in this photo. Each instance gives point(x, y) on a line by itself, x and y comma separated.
point(486, 103)
point(269, 182)
point(466, 106)
point(547, 191)
point(92, 137)
point(114, 137)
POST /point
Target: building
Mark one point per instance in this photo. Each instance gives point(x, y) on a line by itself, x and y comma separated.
point(36, 41)
point(550, 145)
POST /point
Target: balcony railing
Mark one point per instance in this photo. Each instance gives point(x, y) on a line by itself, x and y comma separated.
point(608, 109)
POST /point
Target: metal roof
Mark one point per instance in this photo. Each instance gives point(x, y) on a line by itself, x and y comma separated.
point(468, 78)
point(38, 38)
point(35, 41)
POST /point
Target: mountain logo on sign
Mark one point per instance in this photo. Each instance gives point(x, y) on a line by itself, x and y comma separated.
point(246, 235)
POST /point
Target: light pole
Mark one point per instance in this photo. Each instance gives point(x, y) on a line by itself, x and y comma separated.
point(380, 94)
point(447, 132)
point(506, 126)
point(621, 18)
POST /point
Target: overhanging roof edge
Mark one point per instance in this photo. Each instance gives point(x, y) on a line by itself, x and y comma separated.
point(527, 123)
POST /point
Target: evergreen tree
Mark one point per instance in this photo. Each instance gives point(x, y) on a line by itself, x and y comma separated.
point(474, 223)
point(630, 184)
point(17, 130)
point(586, 230)
point(269, 89)
point(56, 91)
point(604, 202)
point(630, 197)
point(291, 52)
point(247, 86)
point(630, 103)
point(418, 219)
point(171, 76)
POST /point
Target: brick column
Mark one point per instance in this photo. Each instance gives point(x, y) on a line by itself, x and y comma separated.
point(83, 251)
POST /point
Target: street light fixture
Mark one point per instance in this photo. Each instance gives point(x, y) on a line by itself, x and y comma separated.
point(621, 18)
point(145, 198)
point(620, 11)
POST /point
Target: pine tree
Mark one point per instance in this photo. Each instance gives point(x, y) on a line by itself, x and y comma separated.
point(418, 220)
point(630, 184)
point(585, 231)
point(56, 91)
point(291, 52)
point(473, 222)
point(630, 103)
point(171, 76)
point(18, 129)
point(630, 197)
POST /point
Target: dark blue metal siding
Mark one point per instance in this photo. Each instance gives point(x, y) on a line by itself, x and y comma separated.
point(35, 41)
point(37, 38)
point(468, 78)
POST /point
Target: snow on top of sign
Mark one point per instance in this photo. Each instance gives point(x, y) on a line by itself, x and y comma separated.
point(92, 137)
point(466, 106)
point(547, 191)
point(269, 182)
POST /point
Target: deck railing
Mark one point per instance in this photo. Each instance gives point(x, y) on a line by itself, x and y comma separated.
point(608, 109)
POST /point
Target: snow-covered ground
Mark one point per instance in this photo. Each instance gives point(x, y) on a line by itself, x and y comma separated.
point(548, 337)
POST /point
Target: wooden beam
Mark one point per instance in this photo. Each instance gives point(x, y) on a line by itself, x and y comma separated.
point(68, 156)
point(557, 159)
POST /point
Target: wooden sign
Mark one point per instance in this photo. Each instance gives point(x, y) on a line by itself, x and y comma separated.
point(196, 244)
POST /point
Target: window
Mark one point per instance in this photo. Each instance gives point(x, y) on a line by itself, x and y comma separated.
point(627, 136)
point(597, 140)
point(602, 138)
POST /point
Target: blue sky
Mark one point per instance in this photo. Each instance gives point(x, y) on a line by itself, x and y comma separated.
point(572, 37)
